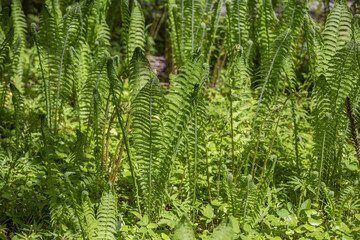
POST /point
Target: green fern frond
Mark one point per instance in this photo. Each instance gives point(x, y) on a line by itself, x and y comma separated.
point(5, 62)
point(106, 215)
point(174, 31)
point(136, 37)
point(337, 31)
point(20, 28)
point(314, 43)
point(266, 27)
point(211, 36)
point(89, 220)
point(238, 23)
point(271, 72)
point(125, 24)
point(180, 105)
point(140, 73)
point(340, 82)
point(292, 16)
point(115, 91)
point(18, 103)
point(147, 114)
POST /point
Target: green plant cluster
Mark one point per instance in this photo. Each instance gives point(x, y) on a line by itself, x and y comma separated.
point(252, 135)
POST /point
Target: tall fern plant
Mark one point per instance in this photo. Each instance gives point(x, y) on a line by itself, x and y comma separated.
point(338, 80)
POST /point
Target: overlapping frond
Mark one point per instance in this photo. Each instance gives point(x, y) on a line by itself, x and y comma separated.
point(271, 71)
point(265, 28)
point(180, 109)
point(136, 35)
point(106, 215)
point(148, 141)
point(341, 81)
point(337, 31)
point(238, 23)
point(140, 73)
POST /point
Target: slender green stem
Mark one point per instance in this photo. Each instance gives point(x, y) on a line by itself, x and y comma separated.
point(111, 76)
point(60, 70)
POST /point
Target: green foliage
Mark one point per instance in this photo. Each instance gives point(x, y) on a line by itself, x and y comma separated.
point(250, 129)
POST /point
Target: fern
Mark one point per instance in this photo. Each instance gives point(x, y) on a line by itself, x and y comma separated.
point(20, 27)
point(271, 72)
point(70, 17)
point(238, 81)
point(136, 36)
point(18, 103)
point(265, 28)
point(180, 107)
point(293, 16)
point(115, 86)
point(314, 42)
point(196, 139)
point(238, 23)
point(148, 141)
point(340, 82)
point(337, 31)
point(225, 231)
point(140, 73)
point(90, 223)
point(106, 215)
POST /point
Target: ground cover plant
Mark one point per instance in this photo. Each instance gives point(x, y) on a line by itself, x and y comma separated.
point(246, 128)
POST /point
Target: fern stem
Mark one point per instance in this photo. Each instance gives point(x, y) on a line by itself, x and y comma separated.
point(150, 142)
point(339, 154)
point(230, 176)
point(296, 135)
point(208, 174)
point(269, 151)
point(182, 30)
point(104, 130)
point(60, 70)
point(268, 77)
point(247, 197)
point(47, 97)
point(321, 163)
point(192, 25)
point(111, 70)
point(195, 157)
point(129, 156)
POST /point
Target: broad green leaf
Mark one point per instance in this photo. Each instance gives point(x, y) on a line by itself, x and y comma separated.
point(306, 205)
point(291, 220)
point(283, 213)
point(314, 222)
point(184, 230)
point(301, 229)
point(208, 212)
point(341, 226)
point(152, 226)
point(310, 212)
point(223, 232)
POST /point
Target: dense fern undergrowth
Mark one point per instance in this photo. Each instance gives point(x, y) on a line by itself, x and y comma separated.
point(251, 134)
